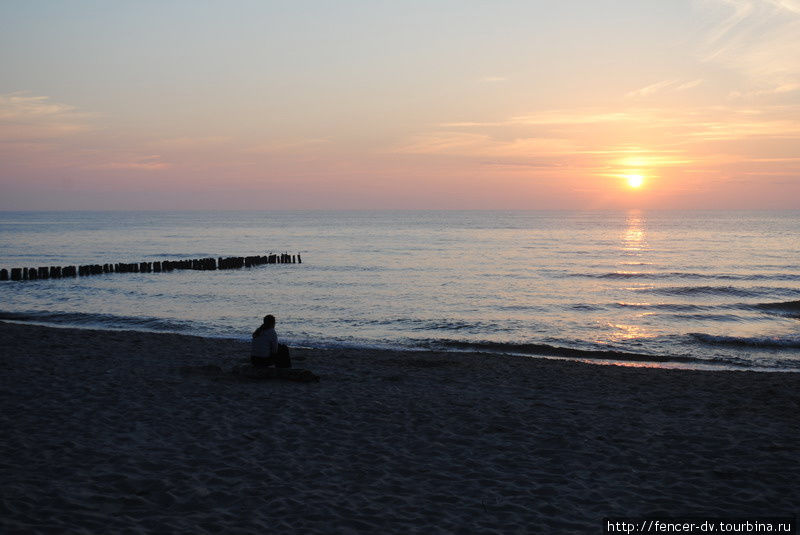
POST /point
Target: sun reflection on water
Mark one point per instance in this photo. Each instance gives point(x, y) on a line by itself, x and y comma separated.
point(634, 240)
point(632, 243)
point(627, 332)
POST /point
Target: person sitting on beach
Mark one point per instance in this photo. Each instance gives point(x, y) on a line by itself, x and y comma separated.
point(265, 349)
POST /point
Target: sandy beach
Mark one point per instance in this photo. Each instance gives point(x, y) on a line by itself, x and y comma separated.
point(128, 432)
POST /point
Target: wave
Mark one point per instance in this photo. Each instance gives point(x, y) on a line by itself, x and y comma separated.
point(767, 342)
point(423, 324)
point(706, 317)
point(735, 291)
point(671, 307)
point(584, 307)
point(548, 350)
point(102, 321)
point(789, 308)
point(646, 275)
point(728, 361)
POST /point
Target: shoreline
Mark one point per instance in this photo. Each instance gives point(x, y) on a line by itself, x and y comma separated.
point(115, 430)
point(598, 357)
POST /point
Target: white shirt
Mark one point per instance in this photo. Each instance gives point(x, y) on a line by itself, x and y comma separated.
point(265, 344)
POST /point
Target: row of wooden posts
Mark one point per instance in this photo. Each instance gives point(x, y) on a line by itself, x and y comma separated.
point(202, 264)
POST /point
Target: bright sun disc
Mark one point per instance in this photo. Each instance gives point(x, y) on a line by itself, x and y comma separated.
point(635, 181)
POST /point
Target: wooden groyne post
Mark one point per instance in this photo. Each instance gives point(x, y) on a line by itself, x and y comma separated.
point(163, 266)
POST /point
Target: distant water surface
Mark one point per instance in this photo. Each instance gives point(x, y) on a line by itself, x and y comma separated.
point(686, 289)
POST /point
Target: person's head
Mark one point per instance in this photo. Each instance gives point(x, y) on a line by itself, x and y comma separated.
point(269, 321)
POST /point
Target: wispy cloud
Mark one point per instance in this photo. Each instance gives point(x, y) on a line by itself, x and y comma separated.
point(776, 90)
point(20, 106)
point(146, 163)
point(760, 39)
point(550, 117)
point(603, 143)
point(650, 89)
point(689, 85)
point(664, 85)
point(182, 143)
point(25, 118)
point(573, 117)
point(483, 145)
point(292, 145)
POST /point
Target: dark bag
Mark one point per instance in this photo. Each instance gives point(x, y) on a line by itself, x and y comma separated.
point(282, 358)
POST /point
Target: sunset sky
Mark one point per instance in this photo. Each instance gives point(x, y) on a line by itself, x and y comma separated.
point(390, 104)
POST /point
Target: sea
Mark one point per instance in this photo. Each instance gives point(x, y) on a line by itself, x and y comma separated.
point(677, 289)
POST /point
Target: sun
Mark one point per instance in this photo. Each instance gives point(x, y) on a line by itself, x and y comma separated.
point(635, 181)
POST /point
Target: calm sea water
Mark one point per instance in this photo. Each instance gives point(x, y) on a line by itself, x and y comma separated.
point(686, 289)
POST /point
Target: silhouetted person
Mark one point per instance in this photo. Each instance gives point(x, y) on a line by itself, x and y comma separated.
point(265, 349)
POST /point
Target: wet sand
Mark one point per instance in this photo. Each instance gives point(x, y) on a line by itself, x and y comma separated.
point(114, 432)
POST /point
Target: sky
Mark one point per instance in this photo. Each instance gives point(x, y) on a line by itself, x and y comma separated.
point(429, 104)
